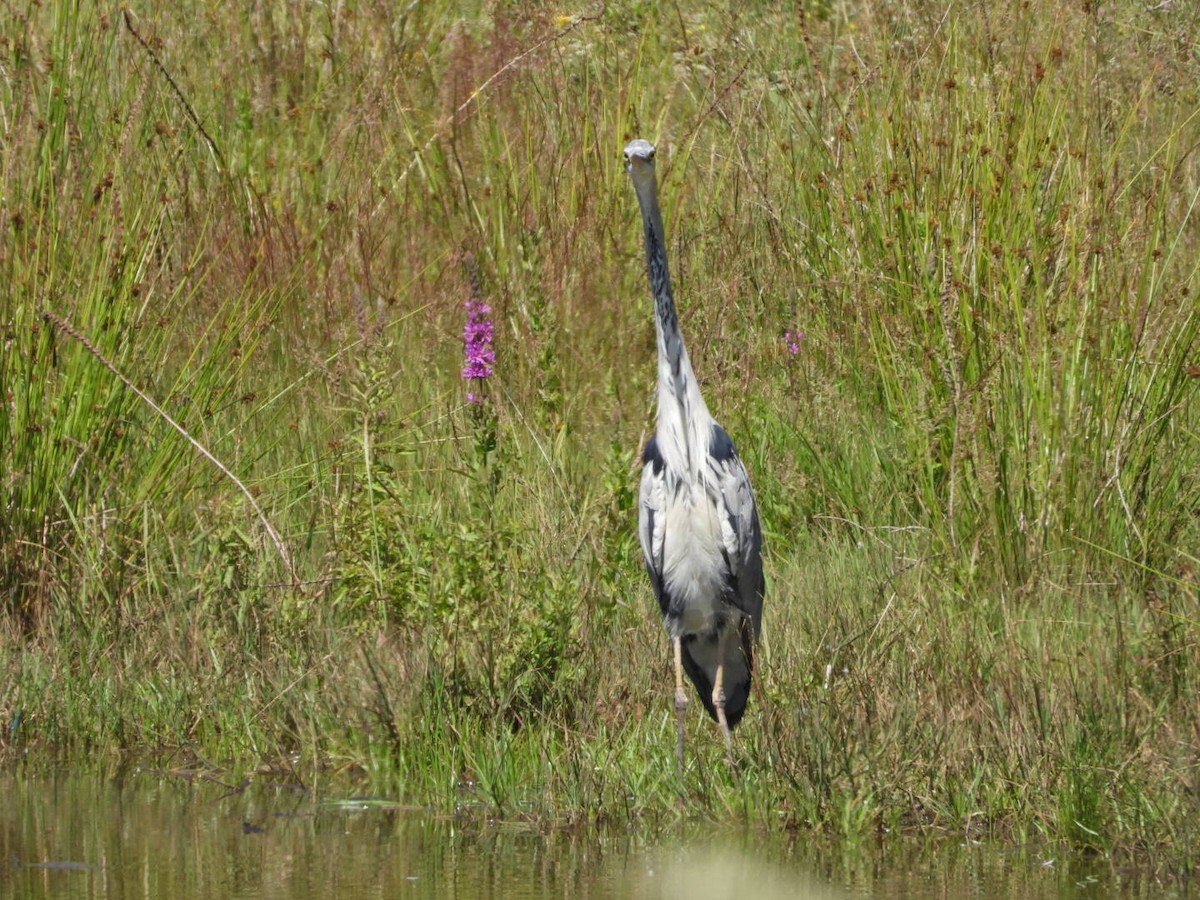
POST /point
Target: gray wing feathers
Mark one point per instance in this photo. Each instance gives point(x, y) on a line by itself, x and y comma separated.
point(742, 537)
point(651, 524)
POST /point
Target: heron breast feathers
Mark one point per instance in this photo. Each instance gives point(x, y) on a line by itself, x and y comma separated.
point(695, 573)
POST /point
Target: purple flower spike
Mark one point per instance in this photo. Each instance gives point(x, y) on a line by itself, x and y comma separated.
point(793, 339)
point(479, 356)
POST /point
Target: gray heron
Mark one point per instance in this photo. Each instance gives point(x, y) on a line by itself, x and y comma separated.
point(697, 520)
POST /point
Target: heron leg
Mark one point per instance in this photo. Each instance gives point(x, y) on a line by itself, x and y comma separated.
point(681, 702)
point(718, 694)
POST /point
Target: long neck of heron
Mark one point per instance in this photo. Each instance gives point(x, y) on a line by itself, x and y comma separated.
point(680, 405)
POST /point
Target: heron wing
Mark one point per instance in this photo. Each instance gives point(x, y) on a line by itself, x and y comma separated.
point(741, 535)
point(652, 517)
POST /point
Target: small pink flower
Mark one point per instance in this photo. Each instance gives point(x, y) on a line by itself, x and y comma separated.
point(793, 339)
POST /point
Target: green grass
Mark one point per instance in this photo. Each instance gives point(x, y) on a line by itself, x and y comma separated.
point(979, 475)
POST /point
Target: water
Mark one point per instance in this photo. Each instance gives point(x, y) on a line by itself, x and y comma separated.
point(154, 836)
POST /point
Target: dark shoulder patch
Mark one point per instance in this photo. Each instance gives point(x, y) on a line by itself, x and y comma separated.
point(720, 446)
point(650, 455)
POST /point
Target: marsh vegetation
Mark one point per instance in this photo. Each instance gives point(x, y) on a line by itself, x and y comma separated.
point(937, 268)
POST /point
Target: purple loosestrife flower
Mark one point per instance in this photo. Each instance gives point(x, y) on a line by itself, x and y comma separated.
point(477, 345)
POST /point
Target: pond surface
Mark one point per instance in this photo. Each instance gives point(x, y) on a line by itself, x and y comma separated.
point(164, 837)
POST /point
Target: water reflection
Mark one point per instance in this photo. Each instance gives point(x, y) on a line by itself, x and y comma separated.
point(81, 835)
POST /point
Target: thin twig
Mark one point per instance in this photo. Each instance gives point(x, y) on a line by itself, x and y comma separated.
point(218, 156)
point(66, 328)
point(208, 139)
point(478, 92)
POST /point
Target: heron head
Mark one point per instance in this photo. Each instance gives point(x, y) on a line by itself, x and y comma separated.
point(639, 160)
